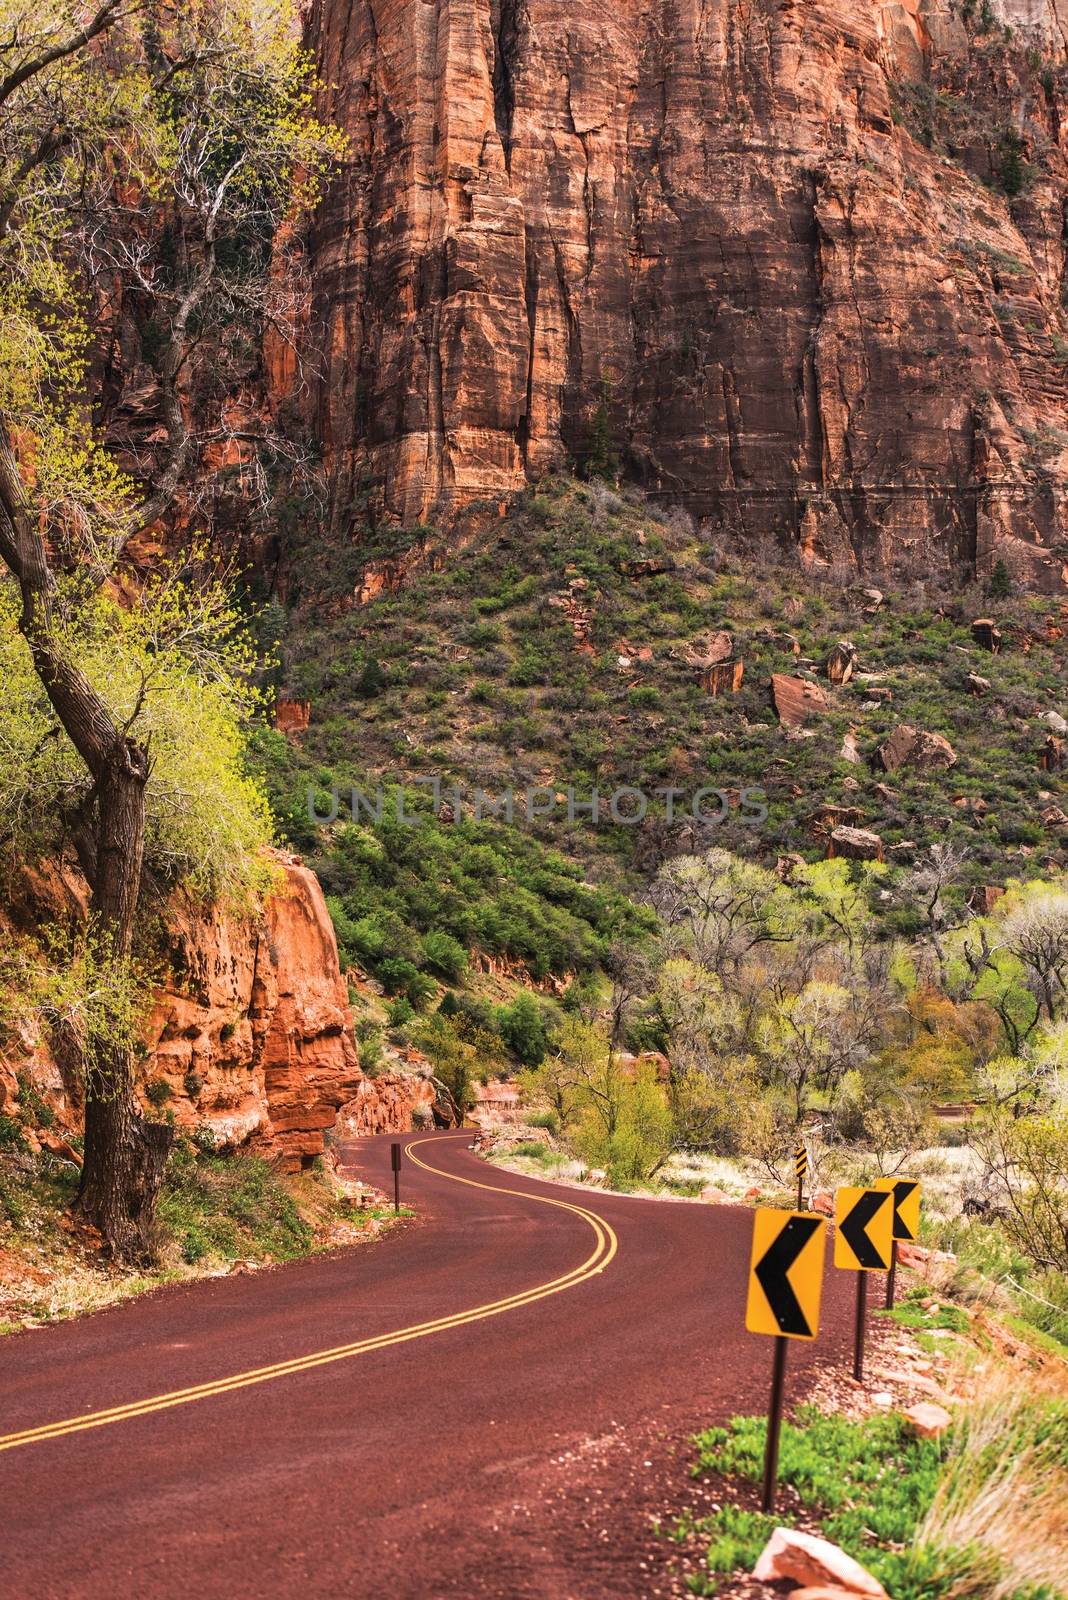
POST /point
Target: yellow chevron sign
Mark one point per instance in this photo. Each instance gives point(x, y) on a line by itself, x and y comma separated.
point(786, 1274)
point(864, 1231)
point(906, 1193)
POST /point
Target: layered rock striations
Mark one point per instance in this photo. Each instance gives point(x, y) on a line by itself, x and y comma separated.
point(798, 262)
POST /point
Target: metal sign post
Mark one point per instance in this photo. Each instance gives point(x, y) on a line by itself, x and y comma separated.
point(396, 1151)
point(863, 1243)
point(785, 1284)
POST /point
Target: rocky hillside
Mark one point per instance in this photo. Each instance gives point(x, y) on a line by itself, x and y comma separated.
point(584, 642)
point(798, 266)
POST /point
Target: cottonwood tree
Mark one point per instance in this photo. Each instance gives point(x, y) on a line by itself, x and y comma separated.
point(192, 125)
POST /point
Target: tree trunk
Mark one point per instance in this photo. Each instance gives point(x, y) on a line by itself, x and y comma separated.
point(125, 1156)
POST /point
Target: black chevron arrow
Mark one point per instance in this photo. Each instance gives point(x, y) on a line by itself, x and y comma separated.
point(902, 1189)
point(854, 1228)
point(770, 1272)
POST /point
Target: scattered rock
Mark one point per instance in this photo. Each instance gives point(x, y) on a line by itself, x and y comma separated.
point(796, 699)
point(830, 817)
point(646, 567)
point(720, 648)
point(812, 1561)
point(292, 716)
point(725, 677)
point(1051, 756)
point(841, 662)
point(915, 747)
point(850, 749)
point(786, 866)
point(984, 897)
point(854, 844)
point(987, 635)
point(928, 1420)
point(715, 1197)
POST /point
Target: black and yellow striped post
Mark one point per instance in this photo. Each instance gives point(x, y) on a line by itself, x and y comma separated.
point(801, 1168)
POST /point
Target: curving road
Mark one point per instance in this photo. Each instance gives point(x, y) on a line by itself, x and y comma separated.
point(486, 1405)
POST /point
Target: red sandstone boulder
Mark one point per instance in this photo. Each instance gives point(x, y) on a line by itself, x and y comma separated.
point(854, 844)
point(796, 699)
point(914, 747)
point(841, 662)
point(927, 1419)
point(809, 1560)
point(723, 678)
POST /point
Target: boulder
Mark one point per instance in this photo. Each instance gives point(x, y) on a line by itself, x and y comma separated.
point(811, 1561)
point(292, 716)
point(724, 677)
point(978, 686)
point(1056, 723)
point(841, 661)
point(850, 750)
point(823, 1202)
point(796, 699)
point(984, 898)
point(646, 566)
point(915, 747)
point(987, 634)
point(854, 844)
point(927, 1420)
point(714, 1196)
point(719, 647)
point(1051, 756)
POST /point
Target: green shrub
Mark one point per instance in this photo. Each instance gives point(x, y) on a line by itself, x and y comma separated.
point(522, 1027)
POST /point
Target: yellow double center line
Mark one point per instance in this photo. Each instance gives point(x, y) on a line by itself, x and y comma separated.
point(602, 1253)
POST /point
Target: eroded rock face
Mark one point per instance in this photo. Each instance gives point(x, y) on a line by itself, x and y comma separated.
point(251, 1032)
point(393, 1102)
point(717, 224)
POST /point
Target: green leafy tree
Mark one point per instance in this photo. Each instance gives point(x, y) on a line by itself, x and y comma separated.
point(455, 1061)
point(202, 120)
point(522, 1027)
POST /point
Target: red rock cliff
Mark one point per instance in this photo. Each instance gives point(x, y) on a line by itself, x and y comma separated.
point(774, 237)
point(251, 1034)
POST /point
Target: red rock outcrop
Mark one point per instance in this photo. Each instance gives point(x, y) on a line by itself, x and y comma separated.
point(743, 238)
point(393, 1102)
point(251, 1033)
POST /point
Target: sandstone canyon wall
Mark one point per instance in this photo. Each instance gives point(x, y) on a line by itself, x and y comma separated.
point(773, 238)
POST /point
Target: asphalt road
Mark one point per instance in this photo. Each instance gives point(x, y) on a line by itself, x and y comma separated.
point(423, 1416)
